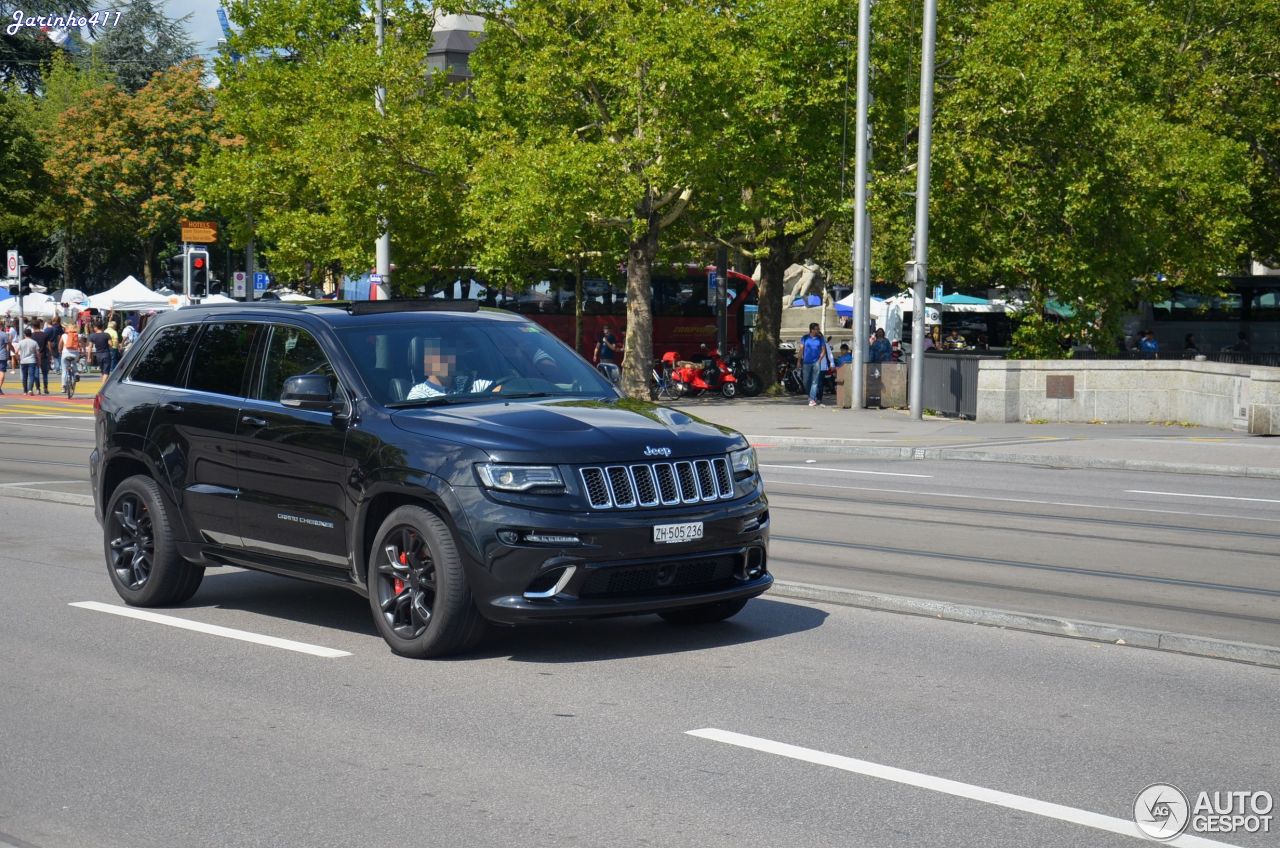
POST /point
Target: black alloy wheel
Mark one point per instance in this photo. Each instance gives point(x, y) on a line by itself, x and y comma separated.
point(417, 587)
point(131, 541)
point(143, 561)
point(406, 582)
point(749, 383)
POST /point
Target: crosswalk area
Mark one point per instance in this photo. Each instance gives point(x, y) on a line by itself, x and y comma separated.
point(45, 406)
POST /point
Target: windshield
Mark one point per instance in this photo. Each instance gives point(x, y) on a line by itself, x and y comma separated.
point(439, 359)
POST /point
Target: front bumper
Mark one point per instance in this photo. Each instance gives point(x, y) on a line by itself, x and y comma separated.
point(617, 569)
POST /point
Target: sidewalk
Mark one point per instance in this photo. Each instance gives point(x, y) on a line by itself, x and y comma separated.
point(891, 434)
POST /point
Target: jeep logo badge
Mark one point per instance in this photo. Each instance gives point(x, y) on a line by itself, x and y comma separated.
point(648, 451)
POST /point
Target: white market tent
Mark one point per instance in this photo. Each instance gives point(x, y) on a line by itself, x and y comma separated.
point(32, 305)
point(129, 295)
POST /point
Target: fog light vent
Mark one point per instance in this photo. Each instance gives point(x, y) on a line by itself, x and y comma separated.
point(754, 566)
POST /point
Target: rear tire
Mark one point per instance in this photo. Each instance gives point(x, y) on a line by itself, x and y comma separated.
point(418, 591)
point(706, 614)
point(729, 390)
point(749, 384)
point(142, 554)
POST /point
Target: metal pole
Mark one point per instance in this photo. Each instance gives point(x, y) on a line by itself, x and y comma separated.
point(860, 230)
point(922, 210)
point(721, 304)
point(382, 251)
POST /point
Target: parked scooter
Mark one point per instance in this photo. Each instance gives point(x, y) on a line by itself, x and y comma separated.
point(714, 374)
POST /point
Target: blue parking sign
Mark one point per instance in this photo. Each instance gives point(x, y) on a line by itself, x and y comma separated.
point(260, 281)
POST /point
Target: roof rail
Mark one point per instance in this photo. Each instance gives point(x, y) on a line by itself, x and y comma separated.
point(373, 307)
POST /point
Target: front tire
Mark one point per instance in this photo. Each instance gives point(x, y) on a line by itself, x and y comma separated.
point(142, 554)
point(705, 614)
point(749, 384)
point(418, 591)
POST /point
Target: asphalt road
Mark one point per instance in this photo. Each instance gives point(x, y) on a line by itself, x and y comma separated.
point(1189, 554)
point(121, 733)
point(1177, 553)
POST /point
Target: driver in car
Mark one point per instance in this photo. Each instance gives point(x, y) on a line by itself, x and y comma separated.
point(439, 368)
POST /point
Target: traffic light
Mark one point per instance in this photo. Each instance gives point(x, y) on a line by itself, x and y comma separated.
point(197, 272)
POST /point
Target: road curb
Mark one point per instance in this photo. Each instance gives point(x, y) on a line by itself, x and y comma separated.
point(1182, 643)
point(46, 495)
point(818, 445)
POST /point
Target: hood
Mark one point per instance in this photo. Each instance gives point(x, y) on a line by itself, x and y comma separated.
point(572, 431)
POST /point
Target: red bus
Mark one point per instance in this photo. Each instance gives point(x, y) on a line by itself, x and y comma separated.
point(683, 313)
point(684, 309)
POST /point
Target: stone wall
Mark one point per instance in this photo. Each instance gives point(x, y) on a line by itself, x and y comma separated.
point(1210, 394)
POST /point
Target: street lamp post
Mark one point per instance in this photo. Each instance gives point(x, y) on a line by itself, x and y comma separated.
point(920, 267)
point(382, 250)
point(861, 230)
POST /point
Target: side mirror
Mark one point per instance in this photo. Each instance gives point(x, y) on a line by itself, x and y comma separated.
point(307, 391)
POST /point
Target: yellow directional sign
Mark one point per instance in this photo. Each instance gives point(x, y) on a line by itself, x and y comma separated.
point(200, 232)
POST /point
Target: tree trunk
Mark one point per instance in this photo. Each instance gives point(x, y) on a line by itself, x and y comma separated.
point(637, 361)
point(765, 336)
point(66, 256)
point(148, 252)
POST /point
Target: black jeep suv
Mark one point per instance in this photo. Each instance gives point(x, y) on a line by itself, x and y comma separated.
point(456, 466)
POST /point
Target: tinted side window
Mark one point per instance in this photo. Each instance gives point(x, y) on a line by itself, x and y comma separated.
point(292, 351)
point(162, 363)
point(220, 358)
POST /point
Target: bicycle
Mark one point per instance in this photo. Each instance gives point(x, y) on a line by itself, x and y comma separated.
point(70, 376)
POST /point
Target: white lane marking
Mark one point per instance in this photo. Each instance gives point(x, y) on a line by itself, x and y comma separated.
point(1110, 508)
point(22, 420)
point(213, 629)
point(848, 471)
point(1047, 809)
point(1211, 497)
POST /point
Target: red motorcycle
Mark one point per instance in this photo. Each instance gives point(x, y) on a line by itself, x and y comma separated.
point(714, 374)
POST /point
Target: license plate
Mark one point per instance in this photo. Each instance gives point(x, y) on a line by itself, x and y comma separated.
point(677, 532)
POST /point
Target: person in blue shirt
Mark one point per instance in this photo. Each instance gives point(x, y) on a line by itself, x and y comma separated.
point(815, 358)
point(845, 357)
point(881, 350)
point(1148, 346)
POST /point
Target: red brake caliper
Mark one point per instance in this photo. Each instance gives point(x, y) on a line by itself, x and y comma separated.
point(397, 584)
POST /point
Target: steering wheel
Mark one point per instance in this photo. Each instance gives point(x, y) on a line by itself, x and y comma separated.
point(500, 382)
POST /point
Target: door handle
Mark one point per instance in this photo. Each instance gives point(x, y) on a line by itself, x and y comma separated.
point(252, 421)
point(170, 407)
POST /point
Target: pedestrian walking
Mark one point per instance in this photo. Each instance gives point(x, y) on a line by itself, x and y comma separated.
point(113, 333)
point(814, 360)
point(128, 335)
point(28, 360)
point(101, 343)
point(7, 354)
point(53, 334)
point(43, 335)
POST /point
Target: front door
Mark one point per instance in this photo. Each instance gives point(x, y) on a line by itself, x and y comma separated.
point(293, 475)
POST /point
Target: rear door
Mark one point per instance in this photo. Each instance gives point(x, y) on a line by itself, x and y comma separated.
point(294, 476)
point(194, 428)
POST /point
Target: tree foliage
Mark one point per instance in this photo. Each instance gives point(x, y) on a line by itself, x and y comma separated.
point(310, 167)
point(127, 161)
point(141, 42)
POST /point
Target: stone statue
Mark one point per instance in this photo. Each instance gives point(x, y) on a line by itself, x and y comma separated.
point(800, 278)
point(803, 278)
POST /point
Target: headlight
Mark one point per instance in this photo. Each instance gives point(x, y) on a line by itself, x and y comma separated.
point(744, 461)
point(520, 478)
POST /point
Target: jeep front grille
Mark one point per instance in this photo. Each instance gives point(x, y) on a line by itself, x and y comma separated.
point(657, 483)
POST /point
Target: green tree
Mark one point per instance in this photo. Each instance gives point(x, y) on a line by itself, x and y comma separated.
point(141, 42)
point(310, 168)
point(625, 97)
point(1062, 167)
point(127, 162)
